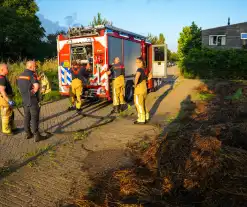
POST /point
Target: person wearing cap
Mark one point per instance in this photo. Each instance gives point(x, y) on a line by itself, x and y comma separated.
point(76, 87)
point(117, 72)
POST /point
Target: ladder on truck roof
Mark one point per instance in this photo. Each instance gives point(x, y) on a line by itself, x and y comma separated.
point(89, 30)
point(125, 32)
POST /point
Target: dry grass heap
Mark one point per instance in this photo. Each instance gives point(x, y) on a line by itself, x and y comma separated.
point(202, 161)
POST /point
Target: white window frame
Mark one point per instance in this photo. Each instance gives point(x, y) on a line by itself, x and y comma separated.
point(241, 36)
point(217, 36)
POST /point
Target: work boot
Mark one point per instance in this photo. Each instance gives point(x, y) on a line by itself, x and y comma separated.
point(116, 109)
point(140, 123)
point(79, 110)
point(28, 135)
point(122, 107)
point(38, 137)
point(71, 108)
point(16, 130)
point(8, 134)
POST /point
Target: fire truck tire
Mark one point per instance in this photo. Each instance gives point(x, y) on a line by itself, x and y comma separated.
point(129, 91)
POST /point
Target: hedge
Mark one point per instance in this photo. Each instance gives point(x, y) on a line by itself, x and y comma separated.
point(208, 63)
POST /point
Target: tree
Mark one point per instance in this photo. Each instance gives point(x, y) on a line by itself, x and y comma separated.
point(189, 38)
point(98, 20)
point(52, 38)
point(20, 28)
point(174, 57)
point(156, 40)
point(169, 54)
point(22, 7)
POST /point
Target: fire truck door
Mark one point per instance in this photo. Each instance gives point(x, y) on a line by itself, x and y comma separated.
point(64, 61)
point(159, 61)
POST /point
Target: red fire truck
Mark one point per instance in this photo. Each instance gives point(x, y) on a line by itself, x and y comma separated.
point(98, 46)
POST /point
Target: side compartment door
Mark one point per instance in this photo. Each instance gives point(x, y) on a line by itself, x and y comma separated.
point(159, 61)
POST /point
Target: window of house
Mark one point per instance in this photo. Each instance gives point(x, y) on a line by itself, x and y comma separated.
point(217, 40)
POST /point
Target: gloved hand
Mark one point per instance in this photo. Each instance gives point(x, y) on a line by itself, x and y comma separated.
point(11, 103)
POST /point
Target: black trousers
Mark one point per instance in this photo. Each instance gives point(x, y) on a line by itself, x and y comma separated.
point(31, 119)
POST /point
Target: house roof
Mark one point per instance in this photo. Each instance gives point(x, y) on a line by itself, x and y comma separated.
point(225, 26)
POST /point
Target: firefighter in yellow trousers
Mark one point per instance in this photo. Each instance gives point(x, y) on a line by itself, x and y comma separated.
point(6, 104)
point(76, 87)
point(140, 93)
point(117, 73)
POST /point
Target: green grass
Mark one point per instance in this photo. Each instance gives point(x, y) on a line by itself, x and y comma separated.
point(30, 155)
point(171, 118)
point(236, 96)
point(78, 136)
point(204, 96)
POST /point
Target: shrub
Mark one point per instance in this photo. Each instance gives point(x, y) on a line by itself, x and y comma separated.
point(208, 63)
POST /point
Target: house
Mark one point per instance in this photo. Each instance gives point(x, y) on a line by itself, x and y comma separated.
point(226, 37)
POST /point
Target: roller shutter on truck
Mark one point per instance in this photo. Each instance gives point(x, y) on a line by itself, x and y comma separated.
point(126, 50)
point(114, 48)
point(132, 50)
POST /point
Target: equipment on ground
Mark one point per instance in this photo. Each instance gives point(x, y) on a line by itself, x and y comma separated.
point(98, 46)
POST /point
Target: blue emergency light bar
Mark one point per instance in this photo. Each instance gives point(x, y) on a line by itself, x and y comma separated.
point(243, 36)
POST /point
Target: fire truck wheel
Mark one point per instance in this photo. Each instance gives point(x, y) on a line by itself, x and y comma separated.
point(129, 91)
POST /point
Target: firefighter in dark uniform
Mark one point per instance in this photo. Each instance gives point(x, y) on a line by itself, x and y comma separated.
point(6, 103)
point(117, 72)
point(76, 86)
point(29, 88)
point(140, 93)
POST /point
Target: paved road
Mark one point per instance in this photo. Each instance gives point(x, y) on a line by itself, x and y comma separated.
point(54, 118)
point(43, 174)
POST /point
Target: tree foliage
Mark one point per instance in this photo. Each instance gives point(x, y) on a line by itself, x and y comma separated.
point(173, 57)
point(98, 20)
point(20, 28)
point(208, 63)
point(157, 40)
point(190, 38)
point(22, 7)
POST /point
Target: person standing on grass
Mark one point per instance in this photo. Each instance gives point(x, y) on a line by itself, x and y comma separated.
point(6, 103)
point(28, 85)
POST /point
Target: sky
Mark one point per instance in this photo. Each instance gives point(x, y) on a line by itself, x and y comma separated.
point(143, 16)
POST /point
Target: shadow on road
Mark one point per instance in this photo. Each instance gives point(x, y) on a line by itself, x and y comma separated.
point(161, 98)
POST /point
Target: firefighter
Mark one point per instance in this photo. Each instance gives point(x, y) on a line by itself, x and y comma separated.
point(76, 87)
point(45, 86)
point(6, 103)
point(28, 85)
point(117, 72)
point(140, 93)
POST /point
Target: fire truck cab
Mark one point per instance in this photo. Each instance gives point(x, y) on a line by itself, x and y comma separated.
point(97, 46)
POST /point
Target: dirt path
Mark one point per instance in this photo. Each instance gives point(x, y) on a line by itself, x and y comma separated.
point(71, 162)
